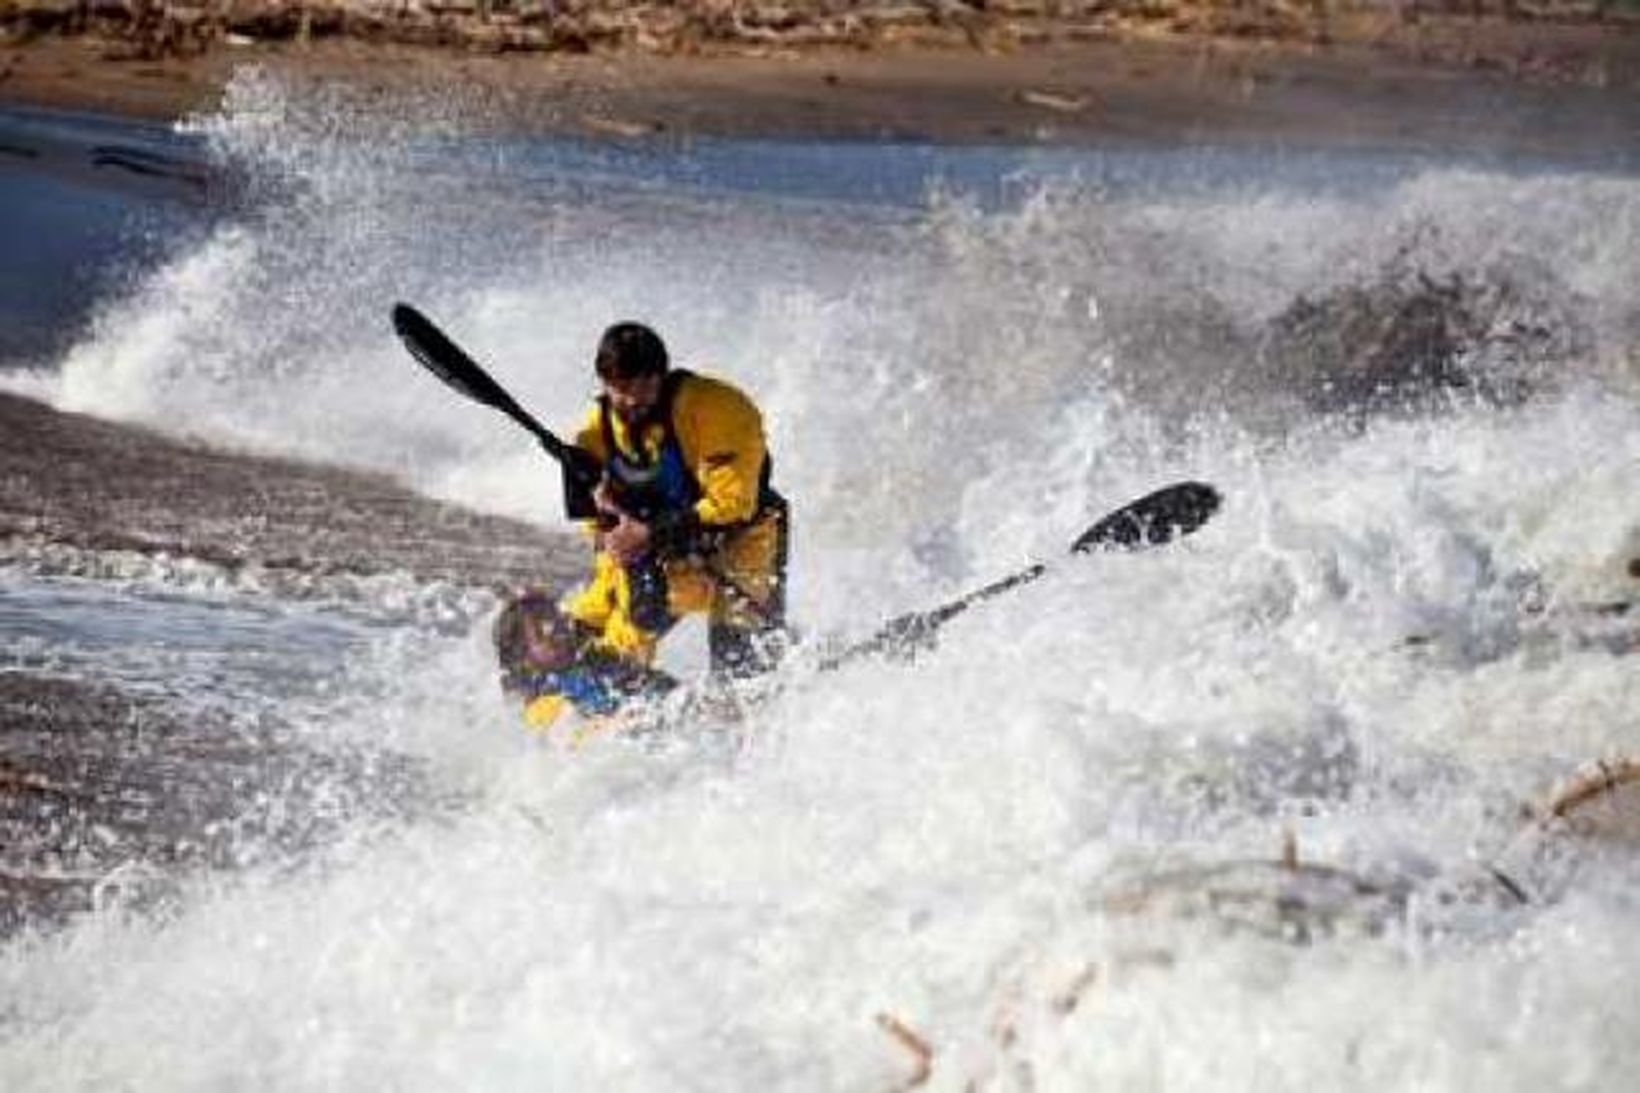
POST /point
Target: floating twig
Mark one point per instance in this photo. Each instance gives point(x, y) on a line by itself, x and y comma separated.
point(919, 1048)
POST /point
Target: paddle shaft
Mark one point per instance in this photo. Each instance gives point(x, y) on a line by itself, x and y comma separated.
point(1152, 520)
point(451, 364)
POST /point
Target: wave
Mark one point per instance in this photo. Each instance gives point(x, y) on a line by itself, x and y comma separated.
point(1023, 859)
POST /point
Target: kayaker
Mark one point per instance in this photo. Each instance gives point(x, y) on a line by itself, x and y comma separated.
point(550, 663)
point(684, 521)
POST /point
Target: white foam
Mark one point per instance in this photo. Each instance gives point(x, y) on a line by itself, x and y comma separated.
point(935, 843)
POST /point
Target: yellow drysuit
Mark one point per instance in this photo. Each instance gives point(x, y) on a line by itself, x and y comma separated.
point(706, 440)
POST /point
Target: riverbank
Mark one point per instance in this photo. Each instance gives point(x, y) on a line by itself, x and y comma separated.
point(1438, 83)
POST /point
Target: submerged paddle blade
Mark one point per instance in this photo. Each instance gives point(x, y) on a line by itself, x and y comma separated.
point(1153, 519)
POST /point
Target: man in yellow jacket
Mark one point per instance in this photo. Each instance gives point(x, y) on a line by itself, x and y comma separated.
point(685, 520)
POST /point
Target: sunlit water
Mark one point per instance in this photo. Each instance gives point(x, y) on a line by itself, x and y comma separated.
point(1378, 649)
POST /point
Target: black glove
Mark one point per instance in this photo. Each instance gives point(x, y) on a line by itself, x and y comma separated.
point(582, 472)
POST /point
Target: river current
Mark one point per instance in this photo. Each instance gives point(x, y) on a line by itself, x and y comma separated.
point(1228, 813)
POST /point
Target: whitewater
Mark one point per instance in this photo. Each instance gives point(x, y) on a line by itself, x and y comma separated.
point(1047, 854)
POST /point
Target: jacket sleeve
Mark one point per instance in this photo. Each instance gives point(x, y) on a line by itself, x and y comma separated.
point(721, 433)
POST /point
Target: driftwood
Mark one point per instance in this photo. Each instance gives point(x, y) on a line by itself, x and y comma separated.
point(917, 1046)
point(155, 28)
point(1288, 901)
point(1601, 802)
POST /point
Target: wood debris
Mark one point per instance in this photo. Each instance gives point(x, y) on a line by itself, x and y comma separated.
point(1065, 104)
point(915, 1044)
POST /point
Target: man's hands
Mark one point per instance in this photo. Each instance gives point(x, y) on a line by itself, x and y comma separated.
point(626, 537)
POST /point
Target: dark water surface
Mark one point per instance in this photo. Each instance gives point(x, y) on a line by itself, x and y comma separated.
point(85, 200)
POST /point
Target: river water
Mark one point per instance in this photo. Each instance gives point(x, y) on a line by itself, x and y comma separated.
point(1047, 854)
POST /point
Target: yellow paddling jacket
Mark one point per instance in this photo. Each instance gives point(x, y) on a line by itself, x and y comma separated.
point(698, 474)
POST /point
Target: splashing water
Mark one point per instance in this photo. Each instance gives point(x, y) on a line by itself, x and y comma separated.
point(1379, 647)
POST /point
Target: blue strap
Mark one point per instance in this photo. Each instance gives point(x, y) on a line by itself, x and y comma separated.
point(599, 686)
point(589, 691)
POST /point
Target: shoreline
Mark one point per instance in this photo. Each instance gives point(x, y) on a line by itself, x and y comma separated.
point(1481, 87)
point(115, 790)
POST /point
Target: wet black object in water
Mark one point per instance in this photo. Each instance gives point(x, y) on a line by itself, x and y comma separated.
point(1154, 519)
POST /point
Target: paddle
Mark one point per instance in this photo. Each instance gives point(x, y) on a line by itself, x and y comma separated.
point(1152, 520)
point(446, 360)
point(450, 363)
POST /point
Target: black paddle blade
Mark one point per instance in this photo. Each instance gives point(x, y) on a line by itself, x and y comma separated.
point(1153, 519)
point(446, 360)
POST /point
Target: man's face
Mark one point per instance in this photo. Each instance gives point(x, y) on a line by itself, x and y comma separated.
point(633, 400)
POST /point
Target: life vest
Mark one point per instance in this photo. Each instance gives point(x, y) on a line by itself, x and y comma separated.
point(596, 684)
point(659, 479)
point(655, 481)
